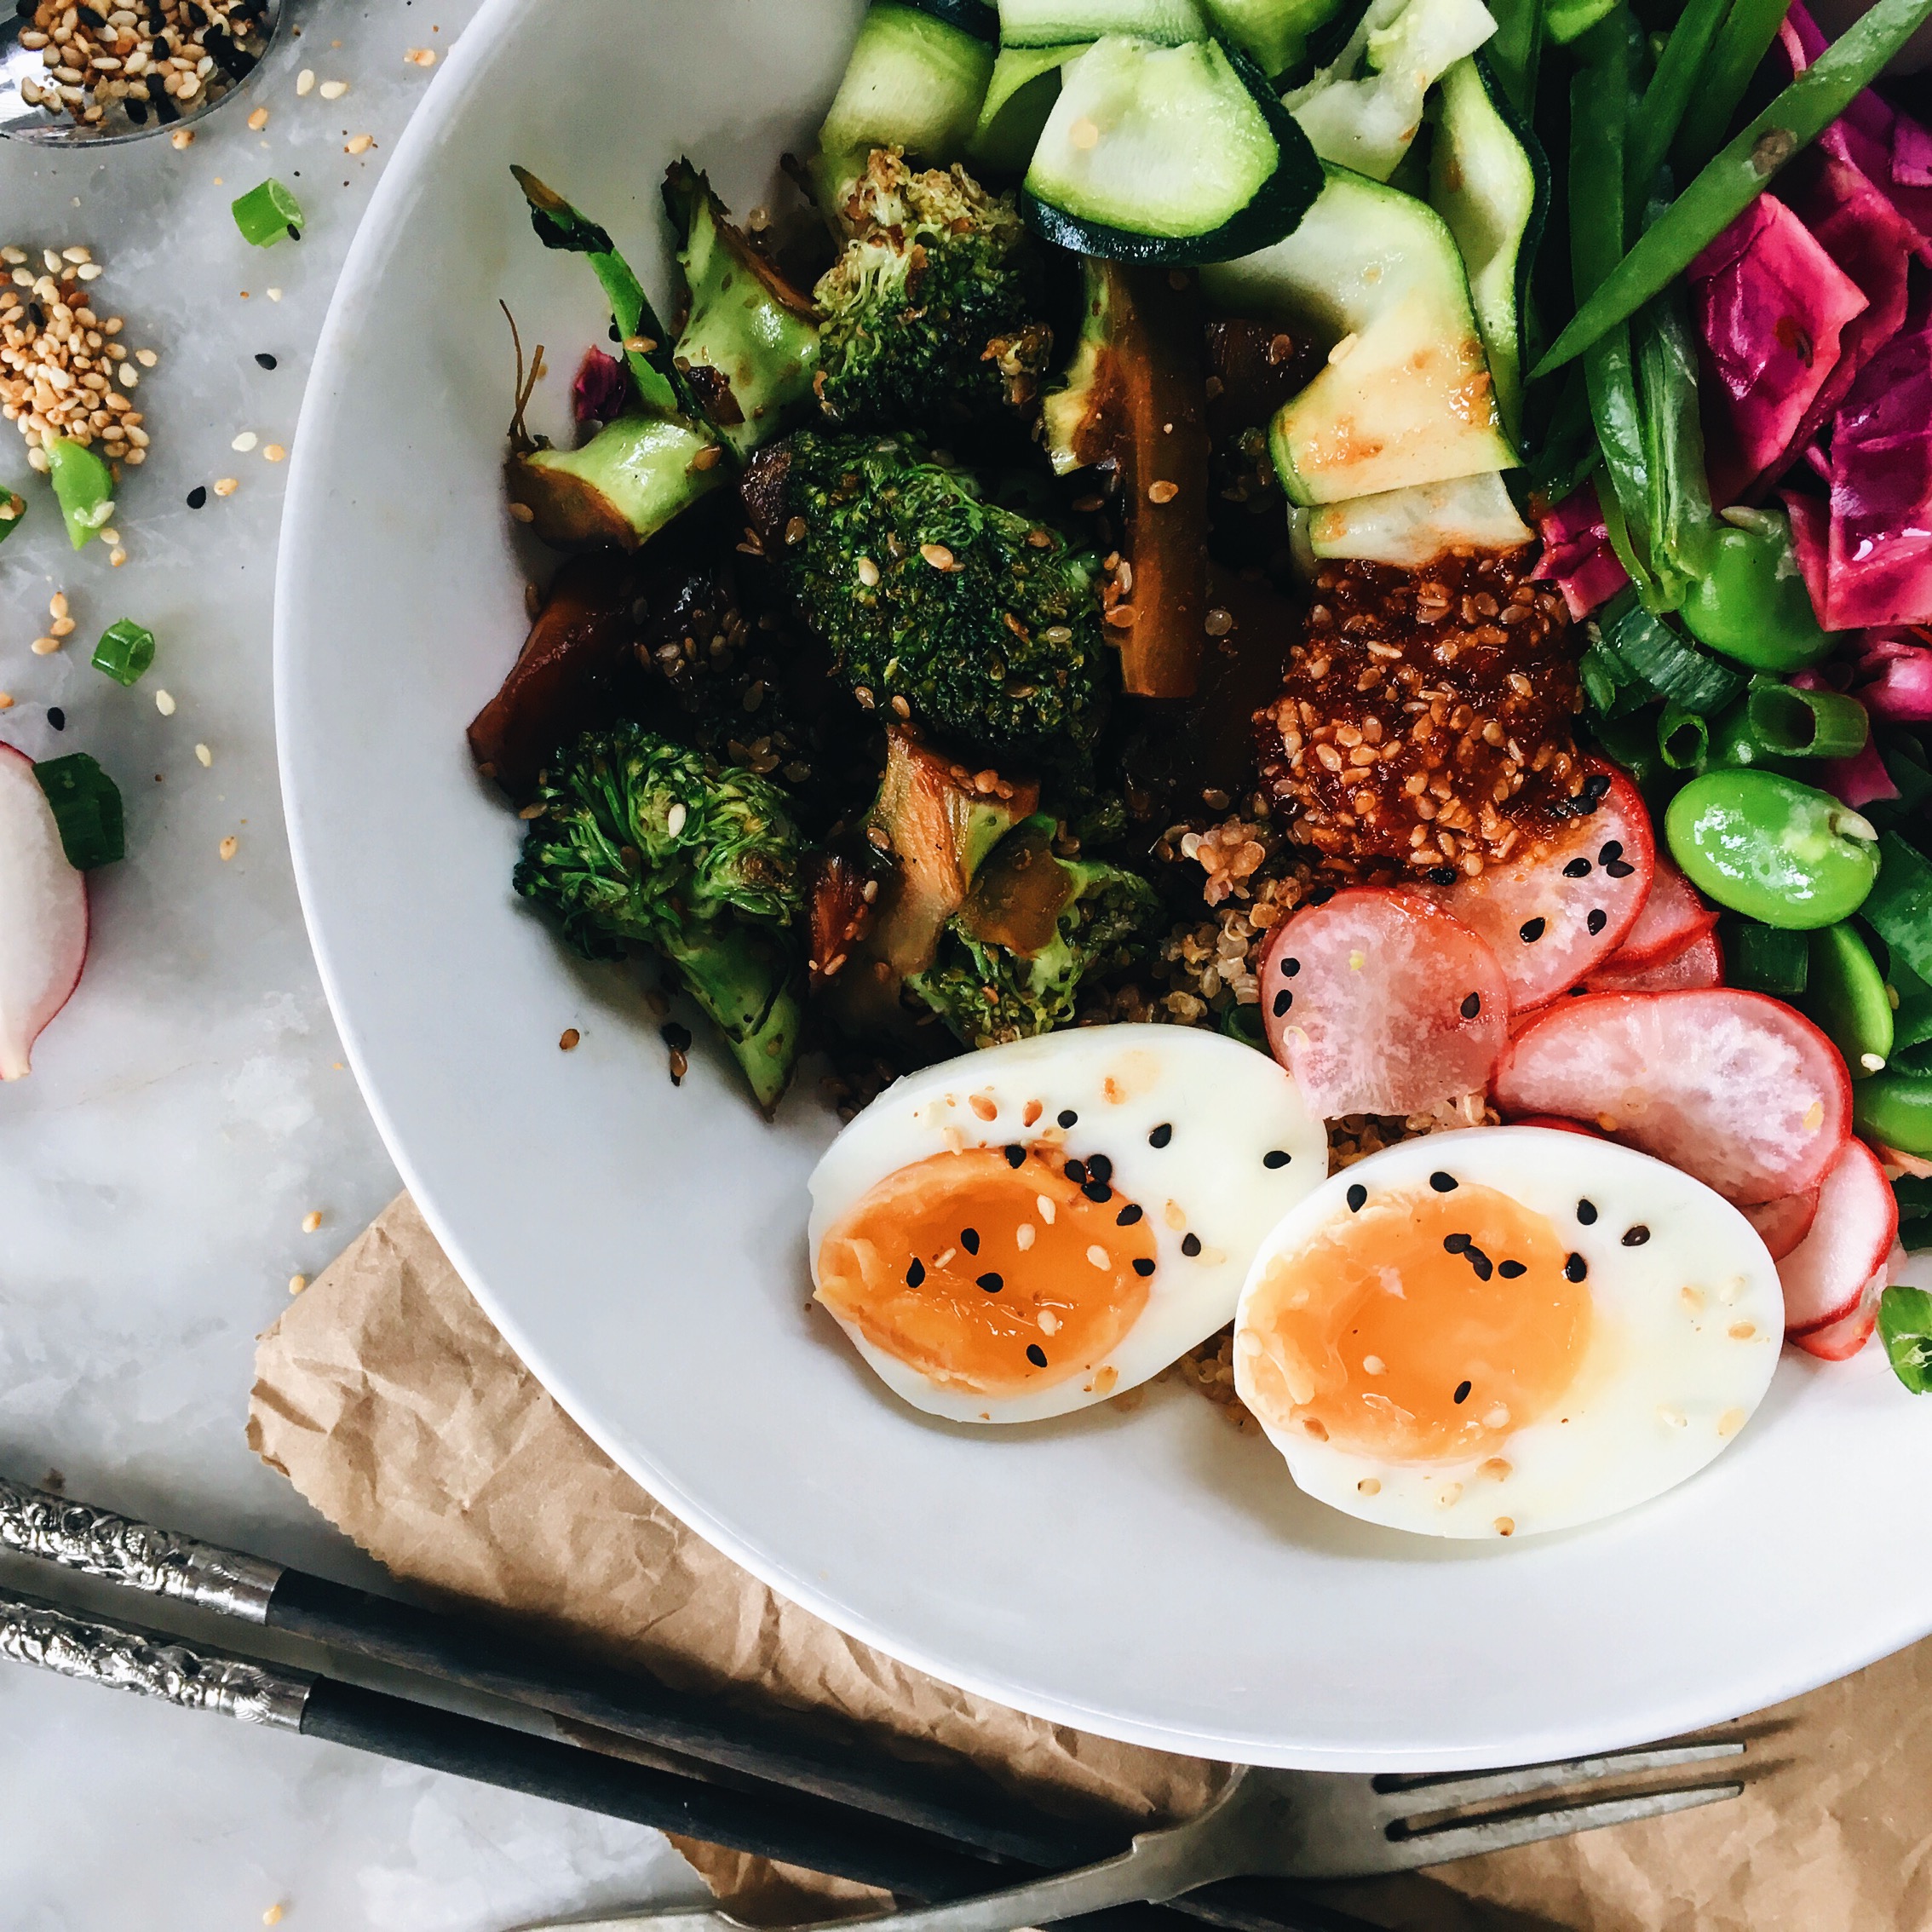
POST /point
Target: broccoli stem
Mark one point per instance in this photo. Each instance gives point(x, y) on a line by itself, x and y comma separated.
point(748, 985)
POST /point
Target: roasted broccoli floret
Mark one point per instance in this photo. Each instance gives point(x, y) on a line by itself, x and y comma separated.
point(978, 624)
point(640, 839)
point(932, 316)
point(1033, 929)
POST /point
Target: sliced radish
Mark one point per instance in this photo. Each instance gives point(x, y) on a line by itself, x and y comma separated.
point(1826, 1274)
point(1557, 1124)
point(1698, 962)
point(1379, 1001)
point(1844, 1339)
point(1551, 919)
point(43, 915)
point(1731, 1087)
point(1783, 1223)
point(1672, 916)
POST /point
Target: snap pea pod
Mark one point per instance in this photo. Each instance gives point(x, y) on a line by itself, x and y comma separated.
point(1739, 173)
point(1910, 1000)
point(1661, 111)
point(1768, 959)
point(1905, 1326)
point(1845, 994)
point(1777, 851)
point(1516, 49)
point(1681, 528)
point(1749, 601)
point(1900, 910)
point(1743, 42)
point(1565, 21)
point(1895, 1108)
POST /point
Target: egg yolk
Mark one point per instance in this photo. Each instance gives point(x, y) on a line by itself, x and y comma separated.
point(994, 1270)
point(1423, 1329)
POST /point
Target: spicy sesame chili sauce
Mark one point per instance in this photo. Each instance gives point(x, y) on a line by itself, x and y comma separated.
point(1425, 718)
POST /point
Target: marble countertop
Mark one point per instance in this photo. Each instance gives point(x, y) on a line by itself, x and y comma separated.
point(189, 1109)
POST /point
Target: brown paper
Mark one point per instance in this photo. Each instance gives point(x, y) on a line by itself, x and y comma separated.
point(389, 1400)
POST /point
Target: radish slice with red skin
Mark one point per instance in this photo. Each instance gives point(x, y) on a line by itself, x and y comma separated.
point(1844, 1339)
point(1557, 1125)
point(1378, 1002)
point(1673, 915)
point(1548, 929)
point(1782, 1224)
point(1827, 1273)
point(1700, 962)
point(43, 915)
point(1733, 1087)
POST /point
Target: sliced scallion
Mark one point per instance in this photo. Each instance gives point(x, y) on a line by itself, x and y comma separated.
point(125, 652)
point(87, 809)
point(1791, 723)
point(267, 214)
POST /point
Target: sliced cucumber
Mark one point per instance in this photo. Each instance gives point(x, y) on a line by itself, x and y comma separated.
point(1411, 528)
point(915, 80)
point(1406, 397)
point(1488, 180)
point(1273, 33)
point(1366, 120)
point(1060, 23)
point(1024, 85)
point(1167, 154)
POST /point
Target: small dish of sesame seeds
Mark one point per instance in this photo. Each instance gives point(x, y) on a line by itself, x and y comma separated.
point(93, 71)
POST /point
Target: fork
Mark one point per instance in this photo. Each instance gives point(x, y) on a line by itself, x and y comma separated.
point(1269, 1824)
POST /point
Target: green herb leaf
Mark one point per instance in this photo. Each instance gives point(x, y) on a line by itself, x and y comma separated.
point(87, 809)
point(125, 652)
point(1905, 1326)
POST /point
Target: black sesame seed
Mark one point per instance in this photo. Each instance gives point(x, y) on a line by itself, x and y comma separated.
point(1100, 1168)
point(1320, 895)
point(1161, 1135)
point(1289, 968)
point(1035, 1354)
point(266, 360)
point(1481, 1263)
point(1531, 931)
point(915, 1273)
point(1596, 785)
point(1015, 1155)
point(1586, 1213)
point(1128, 1215)
point(1283, 1001)
point(1275, 1158)
point(1575, 1268)
point(1190, 1245)
point(617, 334)
point(1443, 1183)
point(1441, 875)
point(1142, 1265)
point(1076, 1171)
point(969, 1240)
point(1577, 868)
point(198, 497)
point(56, 717)
point(1068, 1117)
point(1472, 1006)
point(1097, 1191)
point(676, 1035)
point(1510, 1269)
point(1461, 1391)
point(1358, 1198)
point(1455, 1244)
point(1597, 920)
point(1619, 868)
point(1612, 848)
point(1635, 1237)
point(990, 1283)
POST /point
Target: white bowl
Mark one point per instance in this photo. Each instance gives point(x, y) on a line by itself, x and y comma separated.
point(1146, 1573)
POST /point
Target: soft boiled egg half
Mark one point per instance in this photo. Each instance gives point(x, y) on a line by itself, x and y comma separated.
point(1507, 1329)
point(1033, 1227)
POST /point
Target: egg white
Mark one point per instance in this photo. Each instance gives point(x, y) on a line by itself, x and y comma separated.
point(1664, 1388)
point(1228, 1107)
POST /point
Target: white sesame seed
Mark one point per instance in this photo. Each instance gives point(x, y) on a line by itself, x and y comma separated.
point(1374, 1364)
point(359, 144)
point(333, 90)
point(304, 81)
point(227, 486)
point(1098, 1256)
point(297, 1284)
point(273, 295)
point(244, 442)
point(1025, 1235)
point(44, 647)
point(204, 754)
point(273, 453)
point(229, 847)
point(164, 704)
point(674, 819)
point(312, 1221)
point(1046, 1208)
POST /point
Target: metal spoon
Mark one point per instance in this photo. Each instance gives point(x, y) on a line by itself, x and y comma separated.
point(236, 55)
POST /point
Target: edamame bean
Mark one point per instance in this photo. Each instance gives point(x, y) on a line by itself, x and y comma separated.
point(1845, 993)
point(1896, 1108)
point(1751, 602)
point(1776, 850)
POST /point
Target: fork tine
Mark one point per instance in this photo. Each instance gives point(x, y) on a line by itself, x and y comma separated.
point(1450, 1790)
point(1448, 1841)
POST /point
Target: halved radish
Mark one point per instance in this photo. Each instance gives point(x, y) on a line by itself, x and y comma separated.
point(1551, 919)
point(43, 915)
point(1379, 1001)
point(1783, 1223)
point(1733, 1087)
point(1856, 1223)
point(1698, 962)
point(1557, 1124)
point(1672, 916)
point(1844, 1337)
